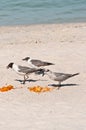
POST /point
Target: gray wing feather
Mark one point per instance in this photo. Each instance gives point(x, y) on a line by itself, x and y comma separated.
point(26, 70)
point(37, 63)
point(40, 63)
point(62, 76)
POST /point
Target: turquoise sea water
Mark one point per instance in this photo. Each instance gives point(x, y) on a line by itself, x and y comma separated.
point(23, 12)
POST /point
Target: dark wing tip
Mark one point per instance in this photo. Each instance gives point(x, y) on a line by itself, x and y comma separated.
point(75, 74)
point(50, 64)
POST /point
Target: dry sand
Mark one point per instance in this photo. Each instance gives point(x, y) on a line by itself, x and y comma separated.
point(64, 109)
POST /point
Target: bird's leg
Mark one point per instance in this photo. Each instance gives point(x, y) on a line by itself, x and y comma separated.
point(27, 76)
point(59, 85)
point(24, 80)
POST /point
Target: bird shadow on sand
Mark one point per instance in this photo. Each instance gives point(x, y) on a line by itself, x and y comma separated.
point(29, 80)
point(63, 85)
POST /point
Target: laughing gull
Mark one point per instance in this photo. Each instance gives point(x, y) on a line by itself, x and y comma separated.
point(60, 77)
point(34, 63)
point(23, 70)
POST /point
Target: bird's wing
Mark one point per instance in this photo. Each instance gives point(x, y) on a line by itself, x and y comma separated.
point(62, 75)
point(26, 70)
point(23, 67)
point(39, 63)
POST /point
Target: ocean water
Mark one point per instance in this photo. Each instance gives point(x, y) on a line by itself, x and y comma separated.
point(24, 12)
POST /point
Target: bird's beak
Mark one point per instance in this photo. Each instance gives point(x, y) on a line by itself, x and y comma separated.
point(43, 72)
point(7, 67)
point(24, 59)
point(40, 71)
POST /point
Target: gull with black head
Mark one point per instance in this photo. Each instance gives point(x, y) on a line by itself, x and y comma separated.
point(23, 70)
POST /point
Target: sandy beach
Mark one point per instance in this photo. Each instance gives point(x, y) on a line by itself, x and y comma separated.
point(63, 109)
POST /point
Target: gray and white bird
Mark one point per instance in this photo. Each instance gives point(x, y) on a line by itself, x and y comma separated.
point(60, 77)
point(34, 63)
point(23, 70)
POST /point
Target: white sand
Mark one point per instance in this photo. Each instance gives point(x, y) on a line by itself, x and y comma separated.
point(64, 109)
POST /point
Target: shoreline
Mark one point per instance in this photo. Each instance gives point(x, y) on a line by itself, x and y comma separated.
point(41, 24)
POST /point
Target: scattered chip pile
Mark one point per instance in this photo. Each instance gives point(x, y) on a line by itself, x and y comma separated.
point(39, 89)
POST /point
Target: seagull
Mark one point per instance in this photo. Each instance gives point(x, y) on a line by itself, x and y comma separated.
point(23, 70)
point(60, 77)
point(34, 63)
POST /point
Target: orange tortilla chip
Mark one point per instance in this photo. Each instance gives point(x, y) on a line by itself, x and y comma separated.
point(39, 89)
point(6, 88)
